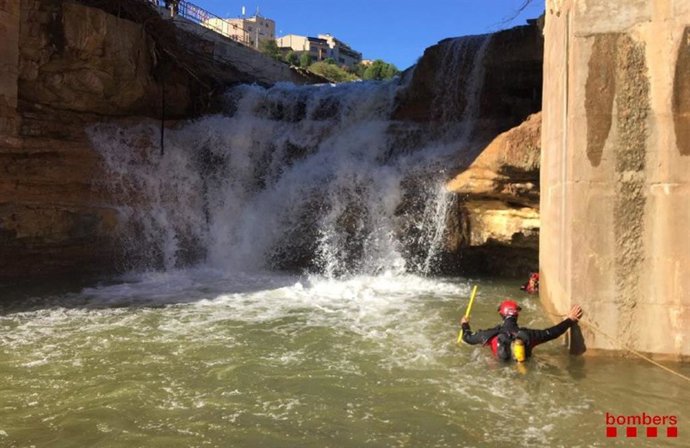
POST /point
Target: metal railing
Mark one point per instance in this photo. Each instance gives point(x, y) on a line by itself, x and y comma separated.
point(211, 21)
point(207, 19)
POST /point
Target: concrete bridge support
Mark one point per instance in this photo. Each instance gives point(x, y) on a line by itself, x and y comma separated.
point(615, 170)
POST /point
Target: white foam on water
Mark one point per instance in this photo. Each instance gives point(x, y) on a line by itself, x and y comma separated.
point(390, 316)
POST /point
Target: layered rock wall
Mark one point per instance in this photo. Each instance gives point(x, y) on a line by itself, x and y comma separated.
point(615, 201)
point(65, 65)
point(498, 207)
point(9, 67)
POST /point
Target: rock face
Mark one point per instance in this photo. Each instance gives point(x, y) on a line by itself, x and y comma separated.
point(63, 66)
point(496, 227)
point(498, 197)
point(508, 168)
point(616, 198)
point(511, 69)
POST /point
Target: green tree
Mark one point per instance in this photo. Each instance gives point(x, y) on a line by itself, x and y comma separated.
point(305, 60)
point(292, 58)
point(359, 70)
point(329, 61)
point(379, 70)
point(331, 72)
point(270, 48)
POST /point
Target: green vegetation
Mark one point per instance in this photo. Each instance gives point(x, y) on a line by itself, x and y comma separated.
point(329, 68)
point(292, 58)
point(332, 72)
point(270, 48)
point(379, 70)
point(305, 60)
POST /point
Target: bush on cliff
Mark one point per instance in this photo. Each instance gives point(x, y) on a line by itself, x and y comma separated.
point(270, 48)
point(332, 72)
point(379, 70)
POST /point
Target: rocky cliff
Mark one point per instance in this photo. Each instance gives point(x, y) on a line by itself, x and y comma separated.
point(510, 88)
point(495, 229)
point(498, 212)
point(66, 65)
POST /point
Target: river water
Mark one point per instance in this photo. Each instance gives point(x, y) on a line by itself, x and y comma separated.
point(198, 358)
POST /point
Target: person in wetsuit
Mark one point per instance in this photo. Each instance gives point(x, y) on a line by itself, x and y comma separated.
point(532, 285)
point(508, 340)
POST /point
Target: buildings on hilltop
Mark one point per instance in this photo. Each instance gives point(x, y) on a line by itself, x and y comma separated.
point(250, 31)
point(341, 52)
point(317, 48)
point(322, 47)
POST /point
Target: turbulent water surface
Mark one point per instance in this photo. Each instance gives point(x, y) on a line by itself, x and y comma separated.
point(196, 358)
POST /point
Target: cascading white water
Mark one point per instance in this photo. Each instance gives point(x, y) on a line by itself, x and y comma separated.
point(294, 177)
point(461, 71)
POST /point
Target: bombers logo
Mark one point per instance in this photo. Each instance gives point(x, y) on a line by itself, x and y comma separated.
point(653, 425)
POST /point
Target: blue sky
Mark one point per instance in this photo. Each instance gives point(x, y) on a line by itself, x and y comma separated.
point(396, 31)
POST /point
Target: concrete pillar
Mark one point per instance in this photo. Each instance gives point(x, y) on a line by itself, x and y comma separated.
point(9, 66)
point(615, 171)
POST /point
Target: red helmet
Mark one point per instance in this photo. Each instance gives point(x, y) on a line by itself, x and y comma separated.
point(509, 308)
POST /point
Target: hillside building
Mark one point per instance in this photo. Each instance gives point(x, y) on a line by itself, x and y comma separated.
point(317, 48)
point(341, 52)
point(250, 31)
point(322, 47)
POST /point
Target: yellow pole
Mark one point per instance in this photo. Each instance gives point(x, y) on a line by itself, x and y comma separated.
point(468, 311)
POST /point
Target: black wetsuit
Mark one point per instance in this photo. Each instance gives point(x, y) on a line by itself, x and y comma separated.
point(500, 337)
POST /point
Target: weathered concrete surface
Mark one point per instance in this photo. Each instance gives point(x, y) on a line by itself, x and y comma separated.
point(615, 199)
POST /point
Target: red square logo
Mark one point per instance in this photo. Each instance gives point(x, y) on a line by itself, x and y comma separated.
point(611, 431)
point(631, 431)
point(652, 431)
point(672, 431)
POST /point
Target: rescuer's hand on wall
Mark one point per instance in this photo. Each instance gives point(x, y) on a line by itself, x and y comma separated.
point(575, 313)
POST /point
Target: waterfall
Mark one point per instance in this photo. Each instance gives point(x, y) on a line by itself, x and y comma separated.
point(294, 177)
point(458, 86)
